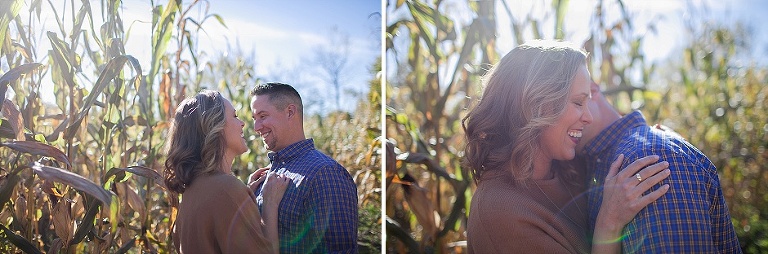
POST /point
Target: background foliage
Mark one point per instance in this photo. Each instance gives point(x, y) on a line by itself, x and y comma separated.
point(81, 175)
point(710, 92)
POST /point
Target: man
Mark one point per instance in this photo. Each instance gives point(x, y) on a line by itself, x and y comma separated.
point(692, 217)
point(318, 213)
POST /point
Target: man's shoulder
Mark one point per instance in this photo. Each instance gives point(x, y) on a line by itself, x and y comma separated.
point(647, 138)
point(317, 160)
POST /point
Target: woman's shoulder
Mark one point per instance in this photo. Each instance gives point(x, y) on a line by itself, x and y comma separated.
point(222, 178)
point(219, 185)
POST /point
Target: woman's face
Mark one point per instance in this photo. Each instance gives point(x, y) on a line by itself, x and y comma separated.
point(558, 142)
point(233, 131)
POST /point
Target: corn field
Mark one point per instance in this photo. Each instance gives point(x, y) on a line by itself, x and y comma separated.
point(438, 50)
point(80, 174)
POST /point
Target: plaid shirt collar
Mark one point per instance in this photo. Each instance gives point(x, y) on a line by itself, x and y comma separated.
point(614, 132)
point(292, 151)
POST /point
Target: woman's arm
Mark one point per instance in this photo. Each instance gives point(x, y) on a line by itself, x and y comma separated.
point(623, 199)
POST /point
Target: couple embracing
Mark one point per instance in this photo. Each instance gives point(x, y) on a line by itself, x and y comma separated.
point(303, 202)
point(559, 170)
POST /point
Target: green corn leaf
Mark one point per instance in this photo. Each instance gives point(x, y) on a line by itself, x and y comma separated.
point(162, 35)
point(9, 9)
point(218, 17)
point(113, 68)
point(60, 57)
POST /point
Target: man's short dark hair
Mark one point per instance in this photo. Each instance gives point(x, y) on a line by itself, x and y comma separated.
point(280, 95)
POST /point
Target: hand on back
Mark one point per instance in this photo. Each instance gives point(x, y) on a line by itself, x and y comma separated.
point(623, 190)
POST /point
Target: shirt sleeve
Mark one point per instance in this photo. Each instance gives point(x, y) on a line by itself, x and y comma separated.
point(334, 200)
point(237, 223)
point(691, 217)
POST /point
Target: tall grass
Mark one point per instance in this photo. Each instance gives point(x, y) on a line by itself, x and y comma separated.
point(81, 175)
point(712, 98)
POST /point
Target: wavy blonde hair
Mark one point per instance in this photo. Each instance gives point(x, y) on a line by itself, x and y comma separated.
point(524, 94)
point(195, 143)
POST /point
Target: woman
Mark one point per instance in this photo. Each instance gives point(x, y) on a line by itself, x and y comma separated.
point(218, 213)
point(519, 139)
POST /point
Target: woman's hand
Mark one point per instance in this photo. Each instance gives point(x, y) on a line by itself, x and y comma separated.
point(274, 188)
point(623, 194)
point(256, 178)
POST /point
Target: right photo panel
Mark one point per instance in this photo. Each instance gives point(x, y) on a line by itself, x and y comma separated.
point(596, 126)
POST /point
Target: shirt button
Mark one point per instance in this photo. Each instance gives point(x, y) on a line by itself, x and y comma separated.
point(599, 160)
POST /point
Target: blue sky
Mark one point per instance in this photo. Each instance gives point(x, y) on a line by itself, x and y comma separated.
point(668, 41)
point(282, 36)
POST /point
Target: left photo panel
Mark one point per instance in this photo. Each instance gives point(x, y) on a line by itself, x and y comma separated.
point(190, 126)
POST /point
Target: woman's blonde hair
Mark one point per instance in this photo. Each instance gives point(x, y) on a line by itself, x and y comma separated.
point(195, 143)
point(524, 94)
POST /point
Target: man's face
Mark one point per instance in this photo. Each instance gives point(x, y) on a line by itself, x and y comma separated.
point(591, 131)
point(270, 122)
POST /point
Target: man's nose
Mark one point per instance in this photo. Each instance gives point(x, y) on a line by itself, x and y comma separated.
point(587, 116)
point(256, 125)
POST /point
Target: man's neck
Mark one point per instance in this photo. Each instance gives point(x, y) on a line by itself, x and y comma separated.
point(293, 141)
point(609, 115)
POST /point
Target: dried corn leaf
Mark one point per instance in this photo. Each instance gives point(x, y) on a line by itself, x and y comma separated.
point(37, 148)
point(20, 211)
point(63, 224)
point(49, 188)
point(56, 246)
point(73, 180)
point(139, 170)
point(20, 242)
point(134, 201)
point(422, 207)
point(13, 116)
point(14, 74)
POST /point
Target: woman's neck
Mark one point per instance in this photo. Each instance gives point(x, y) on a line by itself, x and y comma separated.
point(226, 163)
point(542, 168)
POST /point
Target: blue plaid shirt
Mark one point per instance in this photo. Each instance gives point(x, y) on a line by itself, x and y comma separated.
point(318, 213)
point(692, 217)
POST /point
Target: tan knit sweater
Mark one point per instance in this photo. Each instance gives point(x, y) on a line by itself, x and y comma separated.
point(218, 214)
point(508, 218)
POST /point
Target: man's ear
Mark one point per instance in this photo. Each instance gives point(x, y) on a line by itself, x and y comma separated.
point(291, 110)
point(594, 90)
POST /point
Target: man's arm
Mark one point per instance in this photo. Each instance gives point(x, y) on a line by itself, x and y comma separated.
point(723, 232)
point(334, 196)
